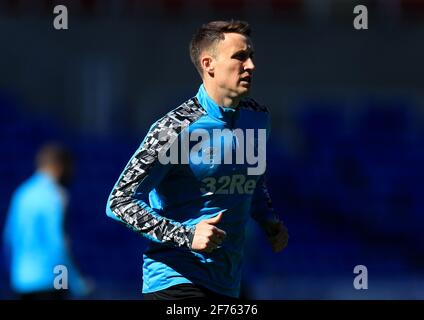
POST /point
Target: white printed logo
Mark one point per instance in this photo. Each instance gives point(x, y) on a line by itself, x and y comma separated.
point(228, 185)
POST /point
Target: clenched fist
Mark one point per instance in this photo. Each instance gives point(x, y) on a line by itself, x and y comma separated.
point(207, 237)
point(277, 235)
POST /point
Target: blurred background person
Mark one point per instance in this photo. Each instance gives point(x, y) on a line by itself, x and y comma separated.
point(34, 236)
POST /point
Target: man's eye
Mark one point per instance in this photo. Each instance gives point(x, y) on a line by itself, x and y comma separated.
point(241, 56)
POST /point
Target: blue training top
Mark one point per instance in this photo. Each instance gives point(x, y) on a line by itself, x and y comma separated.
point(164, 201)
point(34, 238)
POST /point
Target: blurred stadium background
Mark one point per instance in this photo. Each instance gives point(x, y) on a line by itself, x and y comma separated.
point(346, 153)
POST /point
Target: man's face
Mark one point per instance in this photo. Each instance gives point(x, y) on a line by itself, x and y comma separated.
point(233, 65)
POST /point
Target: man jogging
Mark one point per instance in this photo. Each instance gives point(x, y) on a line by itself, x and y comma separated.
point(199, 175)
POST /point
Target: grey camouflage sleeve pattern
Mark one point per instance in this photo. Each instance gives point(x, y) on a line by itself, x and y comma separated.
point(135, 213)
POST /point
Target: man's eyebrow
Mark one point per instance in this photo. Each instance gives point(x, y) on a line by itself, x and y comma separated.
point(248, 50)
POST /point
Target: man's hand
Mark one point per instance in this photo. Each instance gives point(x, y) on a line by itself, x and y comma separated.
point(277, 234)
point(207, 237)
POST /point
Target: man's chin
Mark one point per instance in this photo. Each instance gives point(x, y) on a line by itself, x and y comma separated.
point(245, 85)
point(244, 92)
point(240, 92)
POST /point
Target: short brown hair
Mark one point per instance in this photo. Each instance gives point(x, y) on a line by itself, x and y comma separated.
point(212, 32)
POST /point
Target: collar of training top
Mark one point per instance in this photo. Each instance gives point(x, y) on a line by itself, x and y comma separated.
point(213, 109)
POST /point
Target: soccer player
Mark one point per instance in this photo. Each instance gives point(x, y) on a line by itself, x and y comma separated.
point(188, 190)
point(34, 237)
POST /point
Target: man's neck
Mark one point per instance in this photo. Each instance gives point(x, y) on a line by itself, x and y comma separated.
point(220, 98)
point(52, 173)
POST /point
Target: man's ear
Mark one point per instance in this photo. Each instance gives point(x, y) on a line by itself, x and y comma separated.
point(208, 64)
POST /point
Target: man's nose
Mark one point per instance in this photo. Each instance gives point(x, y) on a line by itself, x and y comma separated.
point(249, 65)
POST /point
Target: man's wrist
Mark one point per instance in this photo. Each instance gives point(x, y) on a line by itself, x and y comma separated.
point(191, 231)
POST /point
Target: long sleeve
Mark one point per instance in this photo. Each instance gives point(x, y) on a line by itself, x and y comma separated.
point(129, 199)
point(262, 209)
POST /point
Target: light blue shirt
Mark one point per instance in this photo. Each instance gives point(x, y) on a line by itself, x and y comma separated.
point(34, 237)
